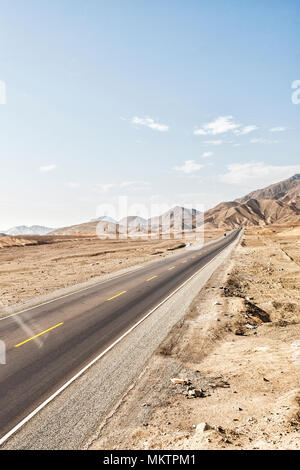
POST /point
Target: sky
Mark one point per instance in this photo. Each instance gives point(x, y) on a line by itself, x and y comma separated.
point(143, 104)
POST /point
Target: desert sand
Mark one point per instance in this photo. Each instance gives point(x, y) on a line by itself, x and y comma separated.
point(34, 266)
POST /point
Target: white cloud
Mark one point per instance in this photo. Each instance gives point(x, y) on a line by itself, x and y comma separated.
point(130, 185)
point(207, 154)
point(200, 132)
point(104, 187)
point(190, 166)
point(224, 124)
point(264, 141)
point(245, 130)
point(135, 185)
point(149, 122)
point(46, 168)
point(72, 184)
point(255, 174)
point(213, 142)
point(278, 129)
point(221, 125)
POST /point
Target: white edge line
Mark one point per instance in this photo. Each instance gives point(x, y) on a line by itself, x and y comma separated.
point(55, 394)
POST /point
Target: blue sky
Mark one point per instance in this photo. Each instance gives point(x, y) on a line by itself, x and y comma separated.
point(171, 101)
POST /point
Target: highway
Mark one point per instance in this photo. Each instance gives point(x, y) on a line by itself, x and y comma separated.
point(46, 346)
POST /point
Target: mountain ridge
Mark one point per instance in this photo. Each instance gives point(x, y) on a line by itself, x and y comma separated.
point(278, 203)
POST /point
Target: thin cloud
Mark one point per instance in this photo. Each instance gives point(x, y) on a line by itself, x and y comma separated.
point(190, 166)
point(207, 154)
point(135, 185)
point(72, 184)
point(47, 168)
point(149, 122)
point(130, 185)
point(257, 174)
point(104, 187)
point(264, 141)
point(278, 129)
point(213, 142)
point(245, 130)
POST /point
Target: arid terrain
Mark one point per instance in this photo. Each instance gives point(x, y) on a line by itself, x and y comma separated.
point(35, 266)
point(237, 354)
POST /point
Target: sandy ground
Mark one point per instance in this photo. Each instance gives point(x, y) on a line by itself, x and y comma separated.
point(35, 266)
point(238, 353)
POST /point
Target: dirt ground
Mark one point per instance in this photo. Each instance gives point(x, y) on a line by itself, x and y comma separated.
point(35, 266)
point(238, 353)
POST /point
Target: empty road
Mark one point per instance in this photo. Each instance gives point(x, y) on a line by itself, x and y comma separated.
point(48, 344)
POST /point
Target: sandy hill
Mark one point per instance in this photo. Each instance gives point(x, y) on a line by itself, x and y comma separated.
point(278, 203)
point(8, 241)
point(88, 228)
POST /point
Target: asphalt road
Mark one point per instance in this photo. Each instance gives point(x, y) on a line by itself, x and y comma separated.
point(48, 344)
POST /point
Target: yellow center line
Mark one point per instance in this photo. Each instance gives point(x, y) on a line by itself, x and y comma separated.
point(173, 267)
point(40, 334)
point(115, 296)
point(150, 279)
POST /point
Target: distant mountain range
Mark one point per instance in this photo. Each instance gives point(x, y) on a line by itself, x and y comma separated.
point(25, 230)
point(275, 204)
point(172, 218)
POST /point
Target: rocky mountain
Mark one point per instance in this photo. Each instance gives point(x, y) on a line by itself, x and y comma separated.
point(278, 203)
point(25, 230)
point(173, 218)
point(287, 191)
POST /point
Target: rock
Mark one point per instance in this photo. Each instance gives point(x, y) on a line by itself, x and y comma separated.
point(196, 393)
point(250, 327)
point(176, 381)
point(239, 332)
point(223, 384)
point(202, 427)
